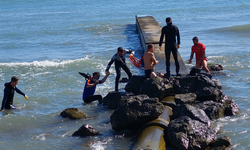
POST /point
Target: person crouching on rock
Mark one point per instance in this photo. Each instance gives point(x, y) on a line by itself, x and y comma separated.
point(90, 86)
point(200, 53)
point(150, 62)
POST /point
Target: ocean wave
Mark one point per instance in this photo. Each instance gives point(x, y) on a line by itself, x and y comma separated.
point(45, 63)
point(243, 30)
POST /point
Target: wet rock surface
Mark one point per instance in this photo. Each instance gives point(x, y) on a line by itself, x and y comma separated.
point(73, 113)
point(137, 111)
point(198, 99)
point(86, 130)
point(113, 99)
point(185, 133)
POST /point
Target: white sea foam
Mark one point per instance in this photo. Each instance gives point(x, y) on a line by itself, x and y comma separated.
point(40, 137)
point(98, 146)
point(45, 63)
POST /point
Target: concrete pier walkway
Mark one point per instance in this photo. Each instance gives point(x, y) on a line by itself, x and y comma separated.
point(150, 31)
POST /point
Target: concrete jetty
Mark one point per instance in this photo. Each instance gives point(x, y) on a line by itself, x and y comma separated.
point(150, 31)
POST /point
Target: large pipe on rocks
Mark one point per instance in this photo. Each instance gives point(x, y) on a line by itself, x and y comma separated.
point(151, 135)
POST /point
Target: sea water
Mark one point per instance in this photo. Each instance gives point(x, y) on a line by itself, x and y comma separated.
point(45, 43)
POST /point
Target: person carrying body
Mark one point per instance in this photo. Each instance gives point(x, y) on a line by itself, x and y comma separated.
point(200, 54)
point(170, 32)
point(119, 59)
point(90, 86)
point(9, 91)
point(150, 62)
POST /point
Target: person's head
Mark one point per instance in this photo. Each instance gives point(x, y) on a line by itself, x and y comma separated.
point(168, 20)
point(195, 40)
point(120, 51)
point(14, 81)
point(150, 47)
point(96, 75)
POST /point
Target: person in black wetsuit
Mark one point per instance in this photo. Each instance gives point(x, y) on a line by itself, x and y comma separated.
point(170, 32)
point(9, 92)
point(119, 59)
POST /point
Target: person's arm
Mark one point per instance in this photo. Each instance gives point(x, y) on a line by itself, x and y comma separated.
point(19, 91)
point(5, 97)
point(178, 37)
point(161, 38)
point(129, 51)
point(89, 85)
point(105, 78)
point(109, 64)
point(191, 57)
point(155, 62)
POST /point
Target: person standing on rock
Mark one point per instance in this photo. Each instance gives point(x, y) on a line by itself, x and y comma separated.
point(119, 59)
point(170, 32)
point(200, 54)
point(150, 62)
point(9, 92)
point(90, 86)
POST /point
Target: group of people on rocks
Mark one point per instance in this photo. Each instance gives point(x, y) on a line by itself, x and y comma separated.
point(170, 32)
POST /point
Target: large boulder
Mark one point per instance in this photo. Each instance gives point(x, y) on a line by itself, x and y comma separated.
point(185, 133)
point(73, 113)
point(135, 113)
point(156, 87)
point(192, 112)
point(188, 98)
point(231, 108)
point(112, 99)
point(209, 93)
point(213, 109)
point(191, 84)
point(215, 67)
point(134, 84)
point(86, 130)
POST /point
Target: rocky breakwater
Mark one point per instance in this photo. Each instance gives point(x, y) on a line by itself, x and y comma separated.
point(199, 101)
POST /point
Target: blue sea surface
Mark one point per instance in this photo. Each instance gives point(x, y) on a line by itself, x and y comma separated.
point(47, 42)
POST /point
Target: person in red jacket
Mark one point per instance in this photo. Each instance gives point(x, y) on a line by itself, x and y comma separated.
point(200, 54)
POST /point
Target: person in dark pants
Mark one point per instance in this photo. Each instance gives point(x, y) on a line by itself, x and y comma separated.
point(90, 86)
point(119, 59)
point(9, 92)
point(170, 32)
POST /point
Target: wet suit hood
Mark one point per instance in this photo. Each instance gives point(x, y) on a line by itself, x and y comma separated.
point(7, 84)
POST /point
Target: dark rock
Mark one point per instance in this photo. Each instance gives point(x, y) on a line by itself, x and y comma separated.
point(191, 84)
point(73, 113)
point(185, 133)
point(188, 98)
point(192, 112)
point(214, 67)
point(127, 99)
point(231, 108)
point(156, 87)
point(209, 93)
point(134, 84)
point(213, 109)
point(135, 113)
point(112, 99)
point(222, 143)
point(217, 83)
point(86, 130)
